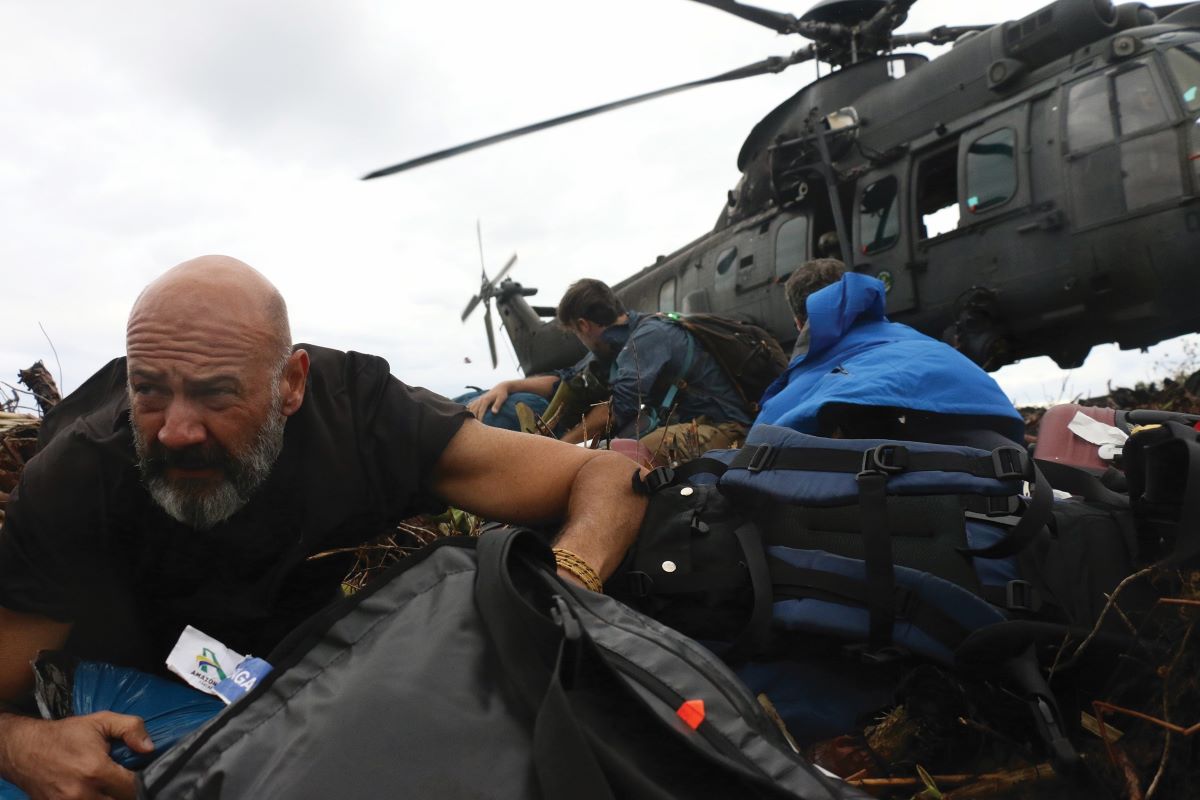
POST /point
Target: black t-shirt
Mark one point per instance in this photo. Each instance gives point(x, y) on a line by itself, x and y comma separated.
point(83, 541)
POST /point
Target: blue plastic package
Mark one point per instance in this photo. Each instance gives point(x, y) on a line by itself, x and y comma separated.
point(170, 710)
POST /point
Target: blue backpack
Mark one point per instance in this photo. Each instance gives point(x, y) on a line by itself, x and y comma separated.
point(845, 555)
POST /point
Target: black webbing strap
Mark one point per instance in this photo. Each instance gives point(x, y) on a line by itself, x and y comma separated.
point(1187, 541)
point(565, 763)
point(1078, 481)
point(877, 552)
point(1003, 463)
point(640, 584)
point(661, 477)
point(1041, 505)
point(755, 635)
point(798, 582)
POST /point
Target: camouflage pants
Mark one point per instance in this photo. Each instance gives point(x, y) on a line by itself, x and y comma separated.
point(685, 441)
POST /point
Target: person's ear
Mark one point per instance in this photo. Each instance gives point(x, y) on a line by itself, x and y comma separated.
point(294, 378)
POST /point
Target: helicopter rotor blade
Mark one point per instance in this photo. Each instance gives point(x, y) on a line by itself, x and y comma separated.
point(479, 238)
point(470, 307)
point(772, 64)
point(491, 334)
point(943, 34)
point(503, 271)
point(775, 20)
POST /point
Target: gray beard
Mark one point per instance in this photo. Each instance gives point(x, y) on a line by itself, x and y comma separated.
point(203, 509)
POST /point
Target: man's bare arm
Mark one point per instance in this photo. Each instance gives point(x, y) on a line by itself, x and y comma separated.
point(65, 758)
point(493, 398)
point(21, 637)
point(518, 478)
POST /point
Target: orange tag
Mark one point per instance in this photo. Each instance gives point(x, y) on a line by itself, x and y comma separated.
point(692, 713)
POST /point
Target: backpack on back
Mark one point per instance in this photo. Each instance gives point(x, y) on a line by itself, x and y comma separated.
point(748, 355)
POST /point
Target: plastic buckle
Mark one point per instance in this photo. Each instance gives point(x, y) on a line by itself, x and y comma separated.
point(659, 478)
point(764, 456)
point(1001, 505)
point(886, 459)
point(1019, 596)
point(1010, 462)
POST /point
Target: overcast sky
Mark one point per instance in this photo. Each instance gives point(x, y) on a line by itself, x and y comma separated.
point(134, 135)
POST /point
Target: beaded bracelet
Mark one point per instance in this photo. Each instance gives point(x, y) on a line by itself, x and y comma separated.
point(579, 568)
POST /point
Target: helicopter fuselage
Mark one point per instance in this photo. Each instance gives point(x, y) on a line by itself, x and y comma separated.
point(1032, 191)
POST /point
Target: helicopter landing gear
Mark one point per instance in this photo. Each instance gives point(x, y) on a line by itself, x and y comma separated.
point(978, 333)
point(1070, 356)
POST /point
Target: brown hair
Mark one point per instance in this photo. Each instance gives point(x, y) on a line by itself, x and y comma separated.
point(810, 277)
point(589, 299)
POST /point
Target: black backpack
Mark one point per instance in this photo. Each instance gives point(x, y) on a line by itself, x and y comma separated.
point(471, 670)
point(875, 553)
point(746, 353)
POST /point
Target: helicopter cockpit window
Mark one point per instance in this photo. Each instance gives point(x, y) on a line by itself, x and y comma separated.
point(879, 215)
point(666, 296)
point(725, 260)
point(1185, 66)
point(1089, 117)
point(991, 170)
point(1138, 103)
point(791, 245)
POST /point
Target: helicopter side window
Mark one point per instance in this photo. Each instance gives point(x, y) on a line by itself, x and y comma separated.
point(666, 296)
point(1137, 101)
point(1089, 117)
point(991, 170)
point(791, 245)
point(879, 215)
point(937, 194)
point(1184, 62)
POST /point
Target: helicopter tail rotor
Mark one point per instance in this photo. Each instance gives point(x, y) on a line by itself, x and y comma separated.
point(487, 290)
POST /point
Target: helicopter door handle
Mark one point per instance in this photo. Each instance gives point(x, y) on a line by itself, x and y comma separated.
point(1047, 222)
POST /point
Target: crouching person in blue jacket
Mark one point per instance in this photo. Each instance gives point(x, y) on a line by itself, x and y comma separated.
point(857, 375)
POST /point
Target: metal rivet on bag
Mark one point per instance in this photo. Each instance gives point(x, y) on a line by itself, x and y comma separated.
point(668, 566)
point(686, 491)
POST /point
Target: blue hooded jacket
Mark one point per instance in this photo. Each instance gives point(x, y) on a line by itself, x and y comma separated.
point(857, 357)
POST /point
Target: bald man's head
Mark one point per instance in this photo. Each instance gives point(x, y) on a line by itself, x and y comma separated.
point(212, 288)
point(212, 379)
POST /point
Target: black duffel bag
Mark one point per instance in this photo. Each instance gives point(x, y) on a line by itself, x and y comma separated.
point(473, 671)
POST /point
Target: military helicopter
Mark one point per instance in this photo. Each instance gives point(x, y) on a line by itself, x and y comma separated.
point(1031, 191)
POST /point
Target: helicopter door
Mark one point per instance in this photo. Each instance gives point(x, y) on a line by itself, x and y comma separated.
point(1122, 147)
point(878, 235)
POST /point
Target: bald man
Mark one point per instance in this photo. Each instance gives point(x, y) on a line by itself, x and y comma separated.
point(187, 483)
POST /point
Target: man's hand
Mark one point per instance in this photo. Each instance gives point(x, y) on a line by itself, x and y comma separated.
point(491, 400)
point(69, 758)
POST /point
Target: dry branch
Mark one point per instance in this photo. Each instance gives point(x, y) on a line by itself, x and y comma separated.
point(41, 383)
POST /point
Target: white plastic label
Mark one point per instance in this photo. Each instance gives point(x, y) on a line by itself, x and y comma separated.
point(202, 661)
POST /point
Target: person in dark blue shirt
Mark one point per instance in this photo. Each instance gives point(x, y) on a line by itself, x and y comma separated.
point(855, 374)
point(667, 391)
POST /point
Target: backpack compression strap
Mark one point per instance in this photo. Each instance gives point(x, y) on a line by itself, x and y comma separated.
point(872, 470)
point(889, 459)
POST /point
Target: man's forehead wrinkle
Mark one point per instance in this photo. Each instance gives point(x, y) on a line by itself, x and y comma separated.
point(210, 286)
